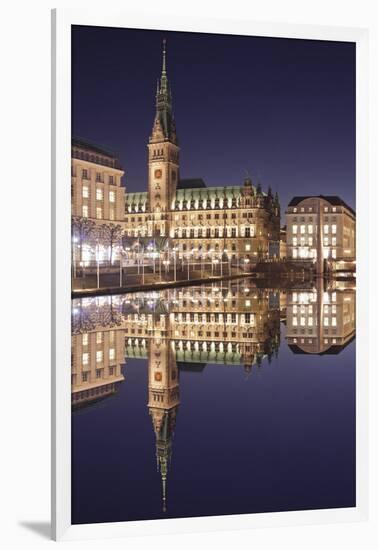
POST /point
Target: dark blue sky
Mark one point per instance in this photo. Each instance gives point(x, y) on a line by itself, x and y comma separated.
point(282, 109)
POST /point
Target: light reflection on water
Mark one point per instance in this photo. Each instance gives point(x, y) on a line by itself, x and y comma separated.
point(138, 353)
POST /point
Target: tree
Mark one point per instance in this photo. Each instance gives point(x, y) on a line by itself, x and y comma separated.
point(82, 230)
point(112, 233)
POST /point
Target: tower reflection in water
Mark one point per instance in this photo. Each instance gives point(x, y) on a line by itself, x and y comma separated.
point(185, 329)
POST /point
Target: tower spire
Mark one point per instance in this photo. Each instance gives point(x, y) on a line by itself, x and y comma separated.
point(164, 79)
point(164, 70)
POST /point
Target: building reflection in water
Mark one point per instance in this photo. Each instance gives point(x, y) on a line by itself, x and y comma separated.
point(97, 350)
point(185, 329)
point(321, 320)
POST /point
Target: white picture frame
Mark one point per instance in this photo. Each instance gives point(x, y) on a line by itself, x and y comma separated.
point(62, 529)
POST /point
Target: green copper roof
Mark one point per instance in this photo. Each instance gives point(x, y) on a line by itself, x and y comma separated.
point(136, 198)
point(228, 191)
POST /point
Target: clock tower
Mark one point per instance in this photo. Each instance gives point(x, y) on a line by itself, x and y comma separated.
point(163, 159)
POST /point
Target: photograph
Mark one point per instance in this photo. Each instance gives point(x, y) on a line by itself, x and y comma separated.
point(213, 274)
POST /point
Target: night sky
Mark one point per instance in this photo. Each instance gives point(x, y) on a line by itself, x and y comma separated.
point(283, 109)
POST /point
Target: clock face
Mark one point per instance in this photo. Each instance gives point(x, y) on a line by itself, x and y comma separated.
point(158, 174)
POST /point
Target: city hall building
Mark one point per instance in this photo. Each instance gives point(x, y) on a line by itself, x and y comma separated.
point(240, 222)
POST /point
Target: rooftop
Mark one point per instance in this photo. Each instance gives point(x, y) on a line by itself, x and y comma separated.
point(93, 153)
point(191, 183)
point(332, 199)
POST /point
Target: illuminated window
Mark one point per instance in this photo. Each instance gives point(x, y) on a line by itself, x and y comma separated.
point(85, 358)
point(85, 211)
point(111, 354)
point(295, 296)
point(310, 229)
point(326, 241)
point(333, 241)
point(85, 191)
point(111, 196)
point(334, 228)
point(295, 321)
point(295, 253)
point(99, 194)
point(333, 253)
point(310, 240)
point(310, 321)
point(334, 323)
point(98, 356)
point(303, 229)
point(303, 321)
point(295, 229)
point(295, 241)
point(326, 229)
point(111, 214)
point(326, 322)
point(326, 209)
point(98, 337)
point(84, 339)
point(248, 247)
point(99, 213)
point(333, 296)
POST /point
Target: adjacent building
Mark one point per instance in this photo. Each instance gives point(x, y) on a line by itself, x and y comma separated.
point(320, 320)
point(321, 229)
point(97, 190)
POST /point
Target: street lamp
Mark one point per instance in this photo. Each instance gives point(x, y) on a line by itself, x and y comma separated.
point(98, 264)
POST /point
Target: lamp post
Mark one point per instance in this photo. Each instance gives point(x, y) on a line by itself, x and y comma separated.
point(74, 256)
point(143, 265)
point(98, 264)
point(174, 263)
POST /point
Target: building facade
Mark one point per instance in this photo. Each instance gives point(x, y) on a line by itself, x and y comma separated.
point(97, 191)
point(321, 320)
point(321, 229)
point(241, 221)
point(97, 205)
